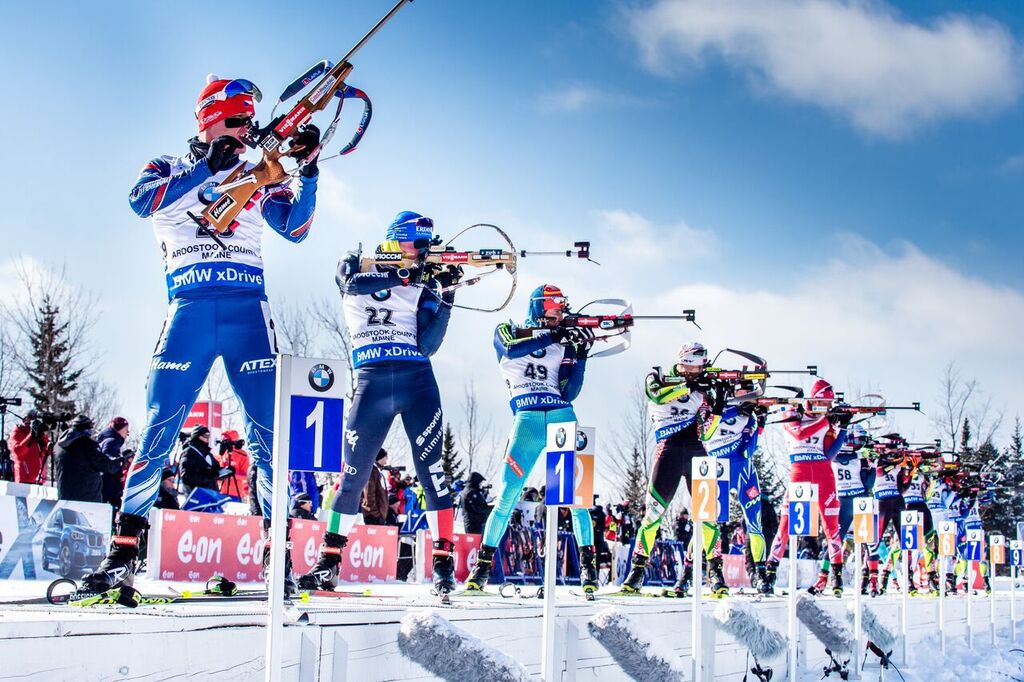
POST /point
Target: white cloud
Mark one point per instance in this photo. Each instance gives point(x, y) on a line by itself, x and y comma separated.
point(1013, 164)
point(578, 96)
point(633, 233)
point(862, 60)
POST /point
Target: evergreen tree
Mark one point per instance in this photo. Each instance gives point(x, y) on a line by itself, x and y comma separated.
point(635, 488)
point(52, 379)
point(771, 485)
point(1007, 476)
point(450, 460)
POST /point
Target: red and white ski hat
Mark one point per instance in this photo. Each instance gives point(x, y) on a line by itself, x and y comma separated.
point(822, 389)
point(223, 98)
point(692, 354)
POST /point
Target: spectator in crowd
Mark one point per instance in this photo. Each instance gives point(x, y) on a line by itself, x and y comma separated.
point(199, 468)
point(305, 482)
point(111, 440)
point(80, 464)
point(167, 496)
point(28, 443)
point(396, 496)
point(233, 455)
point(474, 504)
point(374, 503)
point(684, 527)
point(302, 507)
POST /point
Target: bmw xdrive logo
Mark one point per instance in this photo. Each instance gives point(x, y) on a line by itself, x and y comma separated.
point(321, 377)
point(560, 437)
point(581, 440)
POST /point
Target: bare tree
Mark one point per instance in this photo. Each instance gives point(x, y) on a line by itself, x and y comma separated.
point(98, 399)
point(297, 328)
point(12, 381)
point(217, 388)
point(475, 429)
point(961, 399)
point(336, 343)
point(634, 433)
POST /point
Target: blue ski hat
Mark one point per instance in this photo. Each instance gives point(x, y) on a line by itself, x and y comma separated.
point(545, 297)
point(410, 226)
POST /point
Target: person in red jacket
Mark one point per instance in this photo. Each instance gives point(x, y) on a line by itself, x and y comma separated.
point(232, 454)
point(28, 442)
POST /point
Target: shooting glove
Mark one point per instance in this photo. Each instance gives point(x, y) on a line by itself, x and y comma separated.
point(223, 154)
point(449, 276)
point(303, 145)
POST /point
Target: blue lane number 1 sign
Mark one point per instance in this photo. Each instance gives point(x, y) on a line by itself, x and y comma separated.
point(316, 414)
point(560, 468)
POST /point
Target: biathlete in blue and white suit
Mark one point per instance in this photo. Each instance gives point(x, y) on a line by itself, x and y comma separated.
point(734, 438)
point(397, 319)
point(544, 374)
point(218, 305)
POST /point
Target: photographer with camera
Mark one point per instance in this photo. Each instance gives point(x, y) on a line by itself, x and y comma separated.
point(28, 443)
point(232, 455)
point(374, 502)
point(475, 509)
point(199, 468)
point(111, 440)
point(80, 464)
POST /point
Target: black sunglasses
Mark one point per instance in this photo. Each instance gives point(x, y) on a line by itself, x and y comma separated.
point(237, 121)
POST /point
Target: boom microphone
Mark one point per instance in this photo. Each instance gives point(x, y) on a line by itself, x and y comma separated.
point(634, 650)
point(452, 653)
point(830, 631)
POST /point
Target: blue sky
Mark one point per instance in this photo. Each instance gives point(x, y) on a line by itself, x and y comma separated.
point(819, 194)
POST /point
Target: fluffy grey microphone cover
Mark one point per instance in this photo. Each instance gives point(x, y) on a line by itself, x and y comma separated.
point(634, 650)
point(452, 653)
point(739, 619)
point(873, 628)
point(829, 630)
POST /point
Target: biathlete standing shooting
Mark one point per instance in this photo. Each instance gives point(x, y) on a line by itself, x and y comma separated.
point(218, 305)
point(544, 372)
point(397, 318)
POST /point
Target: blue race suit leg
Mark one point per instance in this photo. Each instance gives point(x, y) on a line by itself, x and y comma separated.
point(182, 359)
point(245, 337)
point(747, 488)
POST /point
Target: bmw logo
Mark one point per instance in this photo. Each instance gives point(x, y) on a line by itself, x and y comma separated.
point(539, 353)
point(719, 469)
point(798, 491)
point(581, 440)
point(703, 469)
point(321, 377)
point(208, 193)
point(560, 437)
point(381, 295)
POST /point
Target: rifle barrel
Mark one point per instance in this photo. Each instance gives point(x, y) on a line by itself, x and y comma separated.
point(366, 38)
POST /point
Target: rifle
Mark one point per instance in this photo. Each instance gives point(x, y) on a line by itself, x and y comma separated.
point(440, 254)
point(615, 324)
point(237, 190)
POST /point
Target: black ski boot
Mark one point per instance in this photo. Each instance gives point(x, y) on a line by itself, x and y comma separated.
point(588, 571)
point(883, 584)
point(761, 582)
point(681, 589)
point(819, 586)
point(443, 567)
point(122, 560)
point(482, 570)
point(950, 583)
point(865, 580)
point(324, 574)
point(635, 580)
point(988, 585)
point(771, 573)
point(837, 580)
point(716, 578)
point(933, 583)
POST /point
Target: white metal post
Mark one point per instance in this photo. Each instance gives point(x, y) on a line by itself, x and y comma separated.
point(791, 597)
point(858, 617)
point(904, 603)
point(992, 599)
point(969, 574)
point(273, 658)
point(697, 554)
point(1013, 604)
point(942, 606)
point(550, 562)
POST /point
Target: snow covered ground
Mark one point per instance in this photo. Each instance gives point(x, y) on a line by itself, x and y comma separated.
point(359, 637)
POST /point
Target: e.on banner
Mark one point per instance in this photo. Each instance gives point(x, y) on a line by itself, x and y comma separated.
point(466, 548)
point(194, 546)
